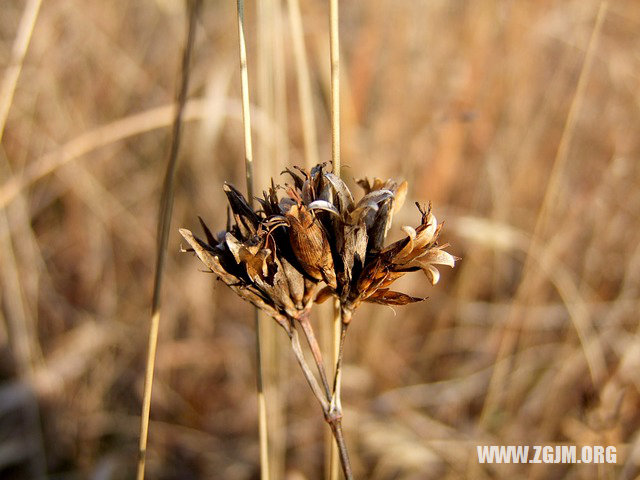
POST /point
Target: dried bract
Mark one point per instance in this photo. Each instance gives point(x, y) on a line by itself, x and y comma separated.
point(252, 259)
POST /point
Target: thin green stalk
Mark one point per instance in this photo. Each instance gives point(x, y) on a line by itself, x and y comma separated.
point(164, 223)
point(246, 113)
point(332, 470)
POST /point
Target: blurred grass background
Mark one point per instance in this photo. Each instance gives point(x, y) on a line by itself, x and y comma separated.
point(532, 339)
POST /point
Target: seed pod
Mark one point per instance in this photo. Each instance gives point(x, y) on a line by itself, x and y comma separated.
point(310, 245)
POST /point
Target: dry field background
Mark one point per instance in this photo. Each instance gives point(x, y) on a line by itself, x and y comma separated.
point(532, 339)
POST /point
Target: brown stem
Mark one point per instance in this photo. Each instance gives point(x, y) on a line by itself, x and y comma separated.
point(337, 379)
point(332, 411)
point(334, 417)
point(313, 383)
point(164, 223)
point(336, 427)
point(315, 350)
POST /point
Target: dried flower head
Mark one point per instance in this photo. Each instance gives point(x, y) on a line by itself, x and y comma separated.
point(277, 256)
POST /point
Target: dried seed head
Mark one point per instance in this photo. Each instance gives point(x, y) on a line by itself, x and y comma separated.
point(277, 257)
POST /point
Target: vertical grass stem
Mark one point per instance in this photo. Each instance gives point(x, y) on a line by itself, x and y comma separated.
point(248, 157)
point(164, 223)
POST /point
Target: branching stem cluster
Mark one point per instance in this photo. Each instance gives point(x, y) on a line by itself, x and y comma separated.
point(328, 397)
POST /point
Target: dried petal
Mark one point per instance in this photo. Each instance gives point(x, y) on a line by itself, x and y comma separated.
point(408, 248)
point(324, 205)
point(378, 229)
point(427, 234)
point(324, 294)
point(246, 219)
point(432, 274)
point(437, 256)
point(388, 297)
point(344, 199)
point(207, 232)
point(297, 180)
point(354, 250)
point(399, 195)
point(296, 283)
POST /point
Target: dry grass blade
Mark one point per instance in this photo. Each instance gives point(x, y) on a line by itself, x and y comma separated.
point(246, 112)
point(279, 362)
point(334, 39)
point(334, 47)
point(248, 156)
point(164, 223)
point(304, 85)
point(20, 46)
point(271, 73)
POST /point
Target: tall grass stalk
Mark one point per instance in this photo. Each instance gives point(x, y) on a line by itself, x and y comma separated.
point(248, 162)
point(280, 158)
point(19, 50)
point(334, 47)
point(273, 153)
point(305, 98)
point(265, 335)
point(164, 223)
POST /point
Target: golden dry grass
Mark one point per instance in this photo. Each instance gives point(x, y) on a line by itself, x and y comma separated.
point(532, 339)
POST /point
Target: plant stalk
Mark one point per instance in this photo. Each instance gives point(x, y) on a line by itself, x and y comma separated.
point(337, 380)
point(334, 49)
point(263, 432)
point(305, 98)
point(164, 222)
point(336, 428)
point(315, 350)
point(332, 410)
point(308, 374)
